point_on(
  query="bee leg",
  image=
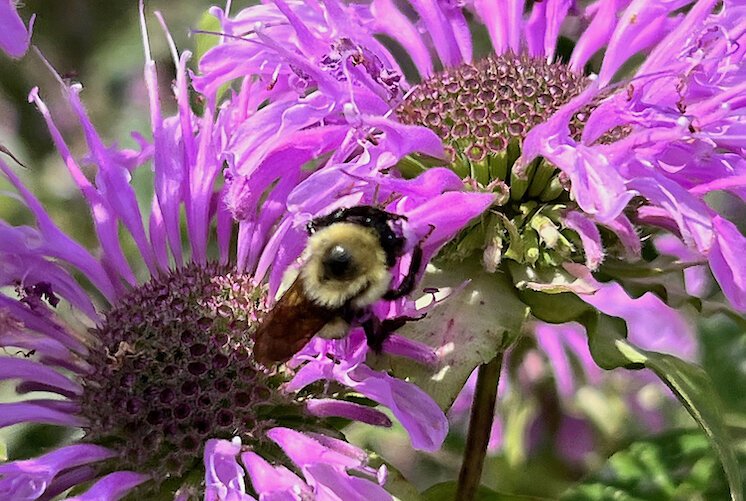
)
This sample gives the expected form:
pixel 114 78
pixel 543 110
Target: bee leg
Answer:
pixel 407 284
pixel 378 331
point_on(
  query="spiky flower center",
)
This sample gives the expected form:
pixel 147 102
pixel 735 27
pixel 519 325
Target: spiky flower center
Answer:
pixel 174 367
pixel 482 112
pixel 479 109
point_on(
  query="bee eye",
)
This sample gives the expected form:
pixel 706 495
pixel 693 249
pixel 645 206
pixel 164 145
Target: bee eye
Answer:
pixel 337 263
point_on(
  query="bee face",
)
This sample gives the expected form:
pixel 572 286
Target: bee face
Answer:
pixel 344 262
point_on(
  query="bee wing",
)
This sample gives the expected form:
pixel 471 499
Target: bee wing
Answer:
pixel 289 326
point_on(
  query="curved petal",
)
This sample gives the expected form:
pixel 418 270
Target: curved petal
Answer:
pixel 14 37
pixel 112 487
pixel 224 477
pixel 727 263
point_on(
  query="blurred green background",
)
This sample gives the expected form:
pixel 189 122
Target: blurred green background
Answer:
pixel 98 43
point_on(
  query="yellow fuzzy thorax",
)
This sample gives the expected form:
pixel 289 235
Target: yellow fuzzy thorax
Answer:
pixel 371 278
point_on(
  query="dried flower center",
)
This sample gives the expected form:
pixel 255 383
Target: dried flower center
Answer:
pixel 482 112
pixel 174 368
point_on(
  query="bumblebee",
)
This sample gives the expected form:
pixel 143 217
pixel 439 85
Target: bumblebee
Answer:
pixel 347 266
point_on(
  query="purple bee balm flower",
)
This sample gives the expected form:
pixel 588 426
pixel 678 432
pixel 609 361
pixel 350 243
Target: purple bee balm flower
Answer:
pixel 324 462
pixel 581 157
pixel 150 355
pixel 14 35
pixel 579 165
pixel 576 157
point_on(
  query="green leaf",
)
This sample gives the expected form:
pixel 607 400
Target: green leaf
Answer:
pixel 206 41
pixel 662 276
pixel 203 42
pixel 678 465
pixel 447 492
pixel 695 390
pixel 691 385
pixel 607 341
pixel 723 349
pixel 467 329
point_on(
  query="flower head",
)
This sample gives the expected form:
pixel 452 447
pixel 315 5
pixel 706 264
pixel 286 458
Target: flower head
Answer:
pixel 556 172
pixel 150 356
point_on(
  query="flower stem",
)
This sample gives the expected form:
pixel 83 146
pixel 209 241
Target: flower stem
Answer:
pixel 480 425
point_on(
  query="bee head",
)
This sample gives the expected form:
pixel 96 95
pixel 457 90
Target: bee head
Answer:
pixel 345 262
pixel 338 263
pixel 371 217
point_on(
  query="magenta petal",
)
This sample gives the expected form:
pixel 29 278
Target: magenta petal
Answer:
pixel 418 413
pixel 43 345
pixel 642 25
pixel 727 262
pixel 24 261
pixel 334 483
pixel 627 235
pixel 28 479
pixel 589 235
pixel 690 214
pixel 112 487
pixel 460 26
pixel 651 324
pixel 389 20
pixel 503 23
pixel 430 183
pixel 549 339
pixel 552 14
pixel 405 347
pixel 401 139
pixel 113 181
pixel 440 30
pixel 43 325
pixel 329 407
pixel 224 477
pixel 104 220
pixel 22 412
pixel 597 186
pixel 597 34
pixel 70 478
pixel 272 480
pixel 58 244
pixel 697 277
pixel 448 213
pixel 14 38
pixel 29 370
pixel 309 373
pixel 303 450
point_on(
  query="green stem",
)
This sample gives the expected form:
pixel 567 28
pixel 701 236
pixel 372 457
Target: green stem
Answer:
pixel 480 425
